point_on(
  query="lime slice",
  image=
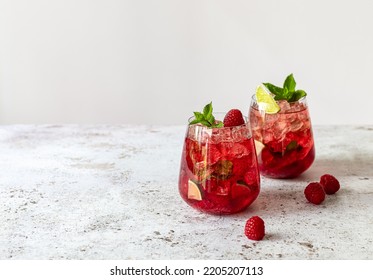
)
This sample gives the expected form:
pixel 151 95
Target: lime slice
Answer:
pixel 193 191
pixel 240 189
pixel 258 147
pixel 265 100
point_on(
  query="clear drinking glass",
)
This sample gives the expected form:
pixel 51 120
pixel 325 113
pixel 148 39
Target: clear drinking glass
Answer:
pixel 284 141
pixel 219 170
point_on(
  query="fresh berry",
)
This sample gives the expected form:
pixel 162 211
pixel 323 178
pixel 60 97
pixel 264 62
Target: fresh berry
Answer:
pixel 251 178
pixel 240 167
pixel 329 183
pixel 314 193
pixel 254 228
pixel 212 154
pixel 233 118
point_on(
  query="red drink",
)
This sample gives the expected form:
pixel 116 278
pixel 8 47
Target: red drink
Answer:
pixel 284 140
pixel 219 172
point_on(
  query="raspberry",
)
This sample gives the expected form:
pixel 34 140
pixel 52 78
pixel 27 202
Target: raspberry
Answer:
pixel 212 154
pixel 329 183
pixel 314 193
pixel 251 178
pixel 254 228
pixel 233 118
pixel 239 167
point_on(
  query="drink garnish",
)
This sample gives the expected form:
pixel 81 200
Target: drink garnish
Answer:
pixel 206 117
pixel 265 100
pixel 287 92
pixel 194 191
pixel 292 146
pixel 233 118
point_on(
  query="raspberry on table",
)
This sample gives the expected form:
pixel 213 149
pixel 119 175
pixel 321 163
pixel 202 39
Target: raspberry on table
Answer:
pixel 254 228
pixel 329 183
pixel 233 118
pixel 314 193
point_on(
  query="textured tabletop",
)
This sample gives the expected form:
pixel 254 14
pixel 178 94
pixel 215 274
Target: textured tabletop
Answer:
pixel 110 192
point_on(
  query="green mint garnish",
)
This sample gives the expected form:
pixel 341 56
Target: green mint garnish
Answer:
pixel 288 91
pixel 223 169
pixel 292 146
pixel 206 117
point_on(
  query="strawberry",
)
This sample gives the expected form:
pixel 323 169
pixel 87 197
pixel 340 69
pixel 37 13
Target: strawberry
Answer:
pixel 254 228
pixel 233 118
pixel 314 193
pixel 329 183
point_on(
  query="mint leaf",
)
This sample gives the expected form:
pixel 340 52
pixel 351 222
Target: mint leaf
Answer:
pixel 290 83
pixel 288 91
pixel 206 117
pixel 223 169
pixel 211 119
pixel 206 123
pixel 272 88
pixel 207 111
pixel 298 94
pixel 198 115
pixel 286 94
pixel 218 124
pixel 292 145
pixel 195 121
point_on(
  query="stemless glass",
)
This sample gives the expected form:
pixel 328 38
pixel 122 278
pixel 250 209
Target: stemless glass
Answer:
pixel 219 170
pixel 284 141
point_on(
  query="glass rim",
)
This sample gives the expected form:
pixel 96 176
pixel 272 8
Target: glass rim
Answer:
pixel 253 98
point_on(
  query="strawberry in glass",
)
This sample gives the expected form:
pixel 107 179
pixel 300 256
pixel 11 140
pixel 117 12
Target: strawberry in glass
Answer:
pixel 219 172
pixel 282 130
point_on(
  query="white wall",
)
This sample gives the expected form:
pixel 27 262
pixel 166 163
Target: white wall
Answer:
pixel 154 62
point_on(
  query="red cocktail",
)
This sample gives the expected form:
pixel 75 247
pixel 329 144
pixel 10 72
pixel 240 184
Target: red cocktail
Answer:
pixel 284 140
pixel 219 172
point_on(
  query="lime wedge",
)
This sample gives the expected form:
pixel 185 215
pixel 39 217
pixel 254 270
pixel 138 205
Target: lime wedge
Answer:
pixel 194 191
pixel 265 100
pixel 259 146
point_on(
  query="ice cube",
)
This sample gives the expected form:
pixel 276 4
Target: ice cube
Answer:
pixel 240 133
pixel 296 125
pixel 284 106
pixel 267 136
pixel 306 124
pixel 280 128
pixel 221 135
pixel 199 133
pixel 297 106
pixel 239 150
pixel 270 119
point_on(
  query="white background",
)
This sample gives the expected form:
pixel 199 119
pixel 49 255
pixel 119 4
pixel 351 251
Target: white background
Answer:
pixel 155 62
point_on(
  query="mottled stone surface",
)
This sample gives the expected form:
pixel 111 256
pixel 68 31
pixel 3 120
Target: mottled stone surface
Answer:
pixel 110 192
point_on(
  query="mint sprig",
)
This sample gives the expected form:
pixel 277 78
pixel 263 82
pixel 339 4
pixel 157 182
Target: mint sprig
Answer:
pixel 206 117
pixel 288 91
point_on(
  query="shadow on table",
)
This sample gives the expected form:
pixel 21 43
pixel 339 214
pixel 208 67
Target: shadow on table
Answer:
pixel 283 196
